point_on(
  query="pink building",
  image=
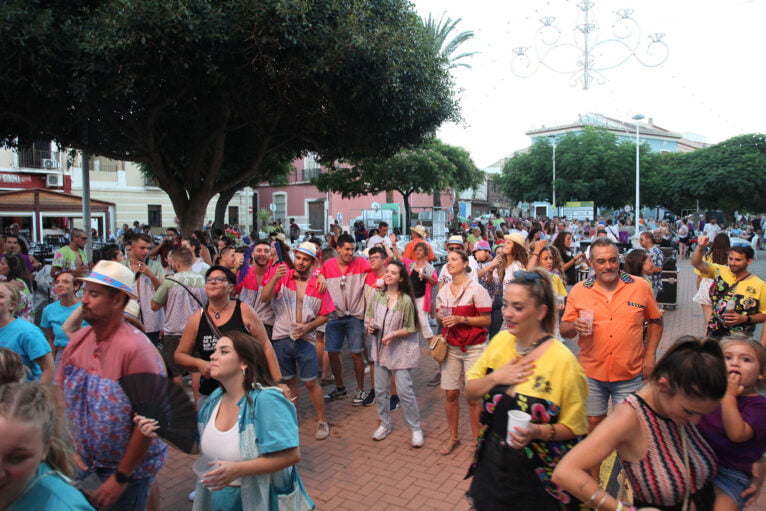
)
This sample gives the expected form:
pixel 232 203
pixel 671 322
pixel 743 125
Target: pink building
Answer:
pixel 310 207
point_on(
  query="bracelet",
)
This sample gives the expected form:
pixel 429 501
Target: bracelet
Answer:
pixel 536 255
pixel 553 432
pixel 595 494
pixel 619 506
pixel 601 502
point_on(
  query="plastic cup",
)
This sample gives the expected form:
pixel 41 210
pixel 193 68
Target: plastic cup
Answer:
pixel 587 316
pixel 516 419
pixel 293 334
pixel 731 305
pixel 202 466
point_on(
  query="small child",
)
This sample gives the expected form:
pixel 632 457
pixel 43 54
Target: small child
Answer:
pixel 737 429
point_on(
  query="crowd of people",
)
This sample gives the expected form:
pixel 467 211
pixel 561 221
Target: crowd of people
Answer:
pixel 554 349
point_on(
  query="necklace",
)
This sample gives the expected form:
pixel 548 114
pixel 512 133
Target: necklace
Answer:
pixel 217 314
pixel 529 349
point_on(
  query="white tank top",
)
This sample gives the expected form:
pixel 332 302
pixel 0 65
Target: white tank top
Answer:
pixel 220 445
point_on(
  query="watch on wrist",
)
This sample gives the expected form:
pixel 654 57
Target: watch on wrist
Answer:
pixel 748 320
pixel 121 477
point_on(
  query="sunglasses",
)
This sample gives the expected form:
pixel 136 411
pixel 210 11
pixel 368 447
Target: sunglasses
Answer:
pixel 213 280
pixel 450 249
pixel 525 275
pixel 740 244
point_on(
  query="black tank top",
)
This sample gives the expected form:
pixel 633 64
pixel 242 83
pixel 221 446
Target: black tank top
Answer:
pixel 206 341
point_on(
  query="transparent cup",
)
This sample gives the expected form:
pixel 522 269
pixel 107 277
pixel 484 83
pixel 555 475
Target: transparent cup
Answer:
pixel 587 316
pixel 202 466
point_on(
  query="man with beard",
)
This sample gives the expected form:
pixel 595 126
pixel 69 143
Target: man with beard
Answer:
pixel 72 256
pixel 738 297
pixel 299 308
pixel 99 412
pixel 149 275
pixel 251 286
pixel 612 350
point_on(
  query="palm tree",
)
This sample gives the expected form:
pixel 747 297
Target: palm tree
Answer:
pixel 440 32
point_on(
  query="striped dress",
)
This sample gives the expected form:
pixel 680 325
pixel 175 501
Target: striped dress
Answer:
pixel 660 479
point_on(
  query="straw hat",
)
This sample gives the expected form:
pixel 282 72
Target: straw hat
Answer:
pixel 455 240
pixel 419 230
pixel 515 237
pixel 307 248
pixel 112 274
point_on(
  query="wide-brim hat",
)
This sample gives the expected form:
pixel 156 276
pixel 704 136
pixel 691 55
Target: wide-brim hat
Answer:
pixel 420 230
pixel 307 248
pixel 482 245
pixel 455 240
pixel 515 237
pixel 112 274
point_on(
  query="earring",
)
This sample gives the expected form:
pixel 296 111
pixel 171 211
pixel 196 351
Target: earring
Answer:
pixel 243 371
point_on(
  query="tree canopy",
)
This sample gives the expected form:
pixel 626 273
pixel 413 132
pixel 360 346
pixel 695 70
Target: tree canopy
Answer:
pixel 426 168
pixel 590 166
pixel 439 36
pixel 189 88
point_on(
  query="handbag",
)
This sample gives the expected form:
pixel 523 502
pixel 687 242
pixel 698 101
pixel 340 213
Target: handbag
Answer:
pixel 438 347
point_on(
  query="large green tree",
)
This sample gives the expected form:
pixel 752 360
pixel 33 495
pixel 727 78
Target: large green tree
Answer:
pixel 423 169
pixel 591 165
pixel 190 88
pixel 729 176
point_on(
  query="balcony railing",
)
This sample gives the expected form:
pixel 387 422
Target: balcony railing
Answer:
pixel 103 165
pixel 309 174
pixel 38 158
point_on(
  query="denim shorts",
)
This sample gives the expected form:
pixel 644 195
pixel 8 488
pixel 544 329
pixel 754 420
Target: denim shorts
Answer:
pixel 597 403
pixel 296 357
pixel 732 483
pixel 345 328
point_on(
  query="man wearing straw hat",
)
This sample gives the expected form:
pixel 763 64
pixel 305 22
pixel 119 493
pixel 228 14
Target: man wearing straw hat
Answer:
pixel 100 414
pixel 300 306
pixel 418 236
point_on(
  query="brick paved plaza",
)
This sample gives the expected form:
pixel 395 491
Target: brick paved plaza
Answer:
pixel 350 471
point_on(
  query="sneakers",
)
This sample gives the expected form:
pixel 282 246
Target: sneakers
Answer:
pixel 192 495
pixel 381 433
pixel 417 438
pixel 323 431
pixel 370 399
pixel 336 394
pixel 359 398
pixel 394 403
pixel 436 380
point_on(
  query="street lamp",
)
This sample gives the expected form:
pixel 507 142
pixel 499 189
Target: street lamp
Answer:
pixel 637 118
pixel 553 141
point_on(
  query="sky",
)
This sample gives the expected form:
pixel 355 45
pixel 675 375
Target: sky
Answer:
pixel 711 84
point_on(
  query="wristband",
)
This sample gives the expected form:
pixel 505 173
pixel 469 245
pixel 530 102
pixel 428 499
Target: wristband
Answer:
pixel 749 320
pixel 121 478
pixel 592 497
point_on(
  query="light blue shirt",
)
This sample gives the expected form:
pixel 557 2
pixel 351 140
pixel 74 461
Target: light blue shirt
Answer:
pixel 28 341
pixel 54 316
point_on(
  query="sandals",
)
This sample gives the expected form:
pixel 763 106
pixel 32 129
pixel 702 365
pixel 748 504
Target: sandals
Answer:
pixel 449 446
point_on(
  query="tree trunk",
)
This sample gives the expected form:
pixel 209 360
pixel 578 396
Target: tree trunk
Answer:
pixel 220 207
pixel 406 219
pixel 437 199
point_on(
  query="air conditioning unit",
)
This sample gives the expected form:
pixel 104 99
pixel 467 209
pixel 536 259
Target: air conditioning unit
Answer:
pixel 54 181
pixel 49 163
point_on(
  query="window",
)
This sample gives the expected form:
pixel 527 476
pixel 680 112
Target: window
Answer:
pixel 155 215
pixel 233 215
pixel 280 210
pixel 311 168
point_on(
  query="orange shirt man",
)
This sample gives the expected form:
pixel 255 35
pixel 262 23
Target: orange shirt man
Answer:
pixel 613 355
pixel 418 235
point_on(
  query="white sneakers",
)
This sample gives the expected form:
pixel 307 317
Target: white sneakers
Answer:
pixel 323 431
pixel 381 433
pixel 417 438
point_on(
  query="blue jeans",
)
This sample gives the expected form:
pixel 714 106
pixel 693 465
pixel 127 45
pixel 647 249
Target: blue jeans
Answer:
pixel 296 357
pixel 136 494
pixel 345 328
pixel 597 402
pixel 732 482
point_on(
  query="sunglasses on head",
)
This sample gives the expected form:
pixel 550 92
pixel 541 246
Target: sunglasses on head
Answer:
pixel 526 275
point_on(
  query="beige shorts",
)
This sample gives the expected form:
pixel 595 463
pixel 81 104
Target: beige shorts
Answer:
pixel 457 364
